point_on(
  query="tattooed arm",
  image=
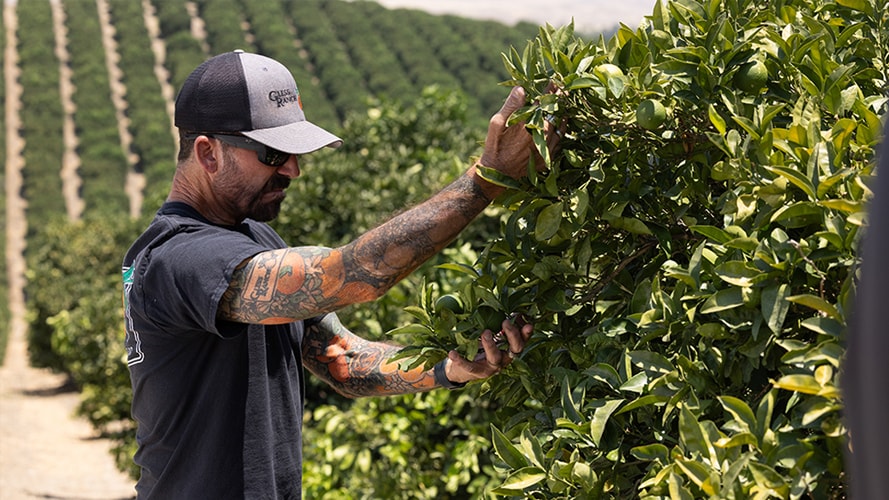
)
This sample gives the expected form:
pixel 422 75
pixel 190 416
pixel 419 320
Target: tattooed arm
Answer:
pixel 284 285
pixel 356 367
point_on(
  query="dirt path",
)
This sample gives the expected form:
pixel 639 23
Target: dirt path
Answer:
pixel 44 451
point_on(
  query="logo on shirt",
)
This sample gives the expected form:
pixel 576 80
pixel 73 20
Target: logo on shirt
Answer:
pixel 133 343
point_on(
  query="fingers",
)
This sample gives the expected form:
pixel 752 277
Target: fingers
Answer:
pixel 492 358
pixel 514 334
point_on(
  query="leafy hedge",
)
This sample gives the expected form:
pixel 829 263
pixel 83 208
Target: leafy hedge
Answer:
pixel 103 166
pixel 690 273
pixel 4 275
pixel 150 126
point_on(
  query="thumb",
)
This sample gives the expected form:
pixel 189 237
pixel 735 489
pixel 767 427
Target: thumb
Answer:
pixel 514 101
pixel 459 369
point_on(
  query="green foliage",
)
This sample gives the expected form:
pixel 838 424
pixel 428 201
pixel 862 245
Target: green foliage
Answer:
pixel 4 276
pixel 103 166
pixel 430 445
pixel 690 284
pixel 76 319
pixel 41 114
pixel 153 145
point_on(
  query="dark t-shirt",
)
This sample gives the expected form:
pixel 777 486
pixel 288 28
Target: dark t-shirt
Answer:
pixel 218 404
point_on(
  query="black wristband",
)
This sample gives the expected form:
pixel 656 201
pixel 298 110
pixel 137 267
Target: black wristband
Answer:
pixel 438 373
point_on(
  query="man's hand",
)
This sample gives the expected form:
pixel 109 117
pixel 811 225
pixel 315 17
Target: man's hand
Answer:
pixel 508 148
pixel 491 359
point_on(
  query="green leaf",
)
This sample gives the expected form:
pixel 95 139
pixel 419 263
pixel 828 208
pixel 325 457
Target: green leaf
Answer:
pixel 581 83
pixel 774 305
pixel 817 303
pixel 691 435
pixel 570 405
pixel 524 478
pixel 824 326
pixel 716 119
pixel 636 383
pixel 496 177
pixel 548 221
pixel 629 224
pixel 651 452
pixel 698 473
pixel 747 125
pixel 741 439
pixel 419 313
pixel 764 417
pixel 600 418
pixel 768 479
pixel 648 399
pixel 818 408
pixel 722 300
pixel 651 361
pixel 796 178
pixel 859 5
pixel 740 411
pixel 713 233
pixel 531 448
pixel 462 268
pixel 506 450
pixel 412 329
pixel 847 206
pixel 803 383
pixel 799 214
pixel 739 273
pixel 712 330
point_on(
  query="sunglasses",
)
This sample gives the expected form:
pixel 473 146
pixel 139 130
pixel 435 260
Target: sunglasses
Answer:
pixel 268 156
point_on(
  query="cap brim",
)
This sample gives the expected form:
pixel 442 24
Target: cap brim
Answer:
pixel 297 138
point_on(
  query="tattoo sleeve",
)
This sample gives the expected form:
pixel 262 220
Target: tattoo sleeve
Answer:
pixel 284 285
pixel 356 367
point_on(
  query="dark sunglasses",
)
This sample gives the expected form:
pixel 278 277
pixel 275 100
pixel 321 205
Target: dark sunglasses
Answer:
pixel 268 156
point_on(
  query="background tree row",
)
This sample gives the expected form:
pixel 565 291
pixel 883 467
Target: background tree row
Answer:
pixel 4 275
pixel 41 118
pixel 103 166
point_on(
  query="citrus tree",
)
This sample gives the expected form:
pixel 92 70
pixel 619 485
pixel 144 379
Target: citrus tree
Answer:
pixel 689 256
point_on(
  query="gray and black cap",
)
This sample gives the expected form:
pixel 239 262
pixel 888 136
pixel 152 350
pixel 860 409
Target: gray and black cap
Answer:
pixel 253 95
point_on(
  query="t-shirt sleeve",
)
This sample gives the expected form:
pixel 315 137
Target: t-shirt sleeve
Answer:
pixel 182 280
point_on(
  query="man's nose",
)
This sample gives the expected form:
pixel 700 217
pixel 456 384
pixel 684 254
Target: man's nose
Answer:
pixel 290 168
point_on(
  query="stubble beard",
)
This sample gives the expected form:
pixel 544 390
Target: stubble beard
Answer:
pixel 257 206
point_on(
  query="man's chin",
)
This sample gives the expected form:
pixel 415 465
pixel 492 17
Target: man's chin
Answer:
pixel 267 211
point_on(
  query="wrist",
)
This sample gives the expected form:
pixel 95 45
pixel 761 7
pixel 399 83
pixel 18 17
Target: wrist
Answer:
pixel 488 189
pixel 441 377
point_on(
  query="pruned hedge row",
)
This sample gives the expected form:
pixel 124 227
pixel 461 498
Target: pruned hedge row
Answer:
pixel 41 115
pixel 4 218
pixel 153 143
pixel 103 165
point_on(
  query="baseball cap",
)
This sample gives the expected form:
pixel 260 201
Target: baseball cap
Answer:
pixel 253 95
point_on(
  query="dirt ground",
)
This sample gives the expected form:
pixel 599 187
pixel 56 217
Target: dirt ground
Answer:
pixel 45 452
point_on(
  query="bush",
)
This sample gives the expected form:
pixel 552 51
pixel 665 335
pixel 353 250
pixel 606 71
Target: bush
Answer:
pixel 690 283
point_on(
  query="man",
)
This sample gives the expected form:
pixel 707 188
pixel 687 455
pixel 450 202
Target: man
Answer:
pixel 222 315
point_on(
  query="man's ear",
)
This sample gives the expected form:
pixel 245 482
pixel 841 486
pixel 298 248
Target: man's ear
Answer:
pixel 207 153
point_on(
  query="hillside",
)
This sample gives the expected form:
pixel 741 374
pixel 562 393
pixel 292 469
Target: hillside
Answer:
pixel 88 91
